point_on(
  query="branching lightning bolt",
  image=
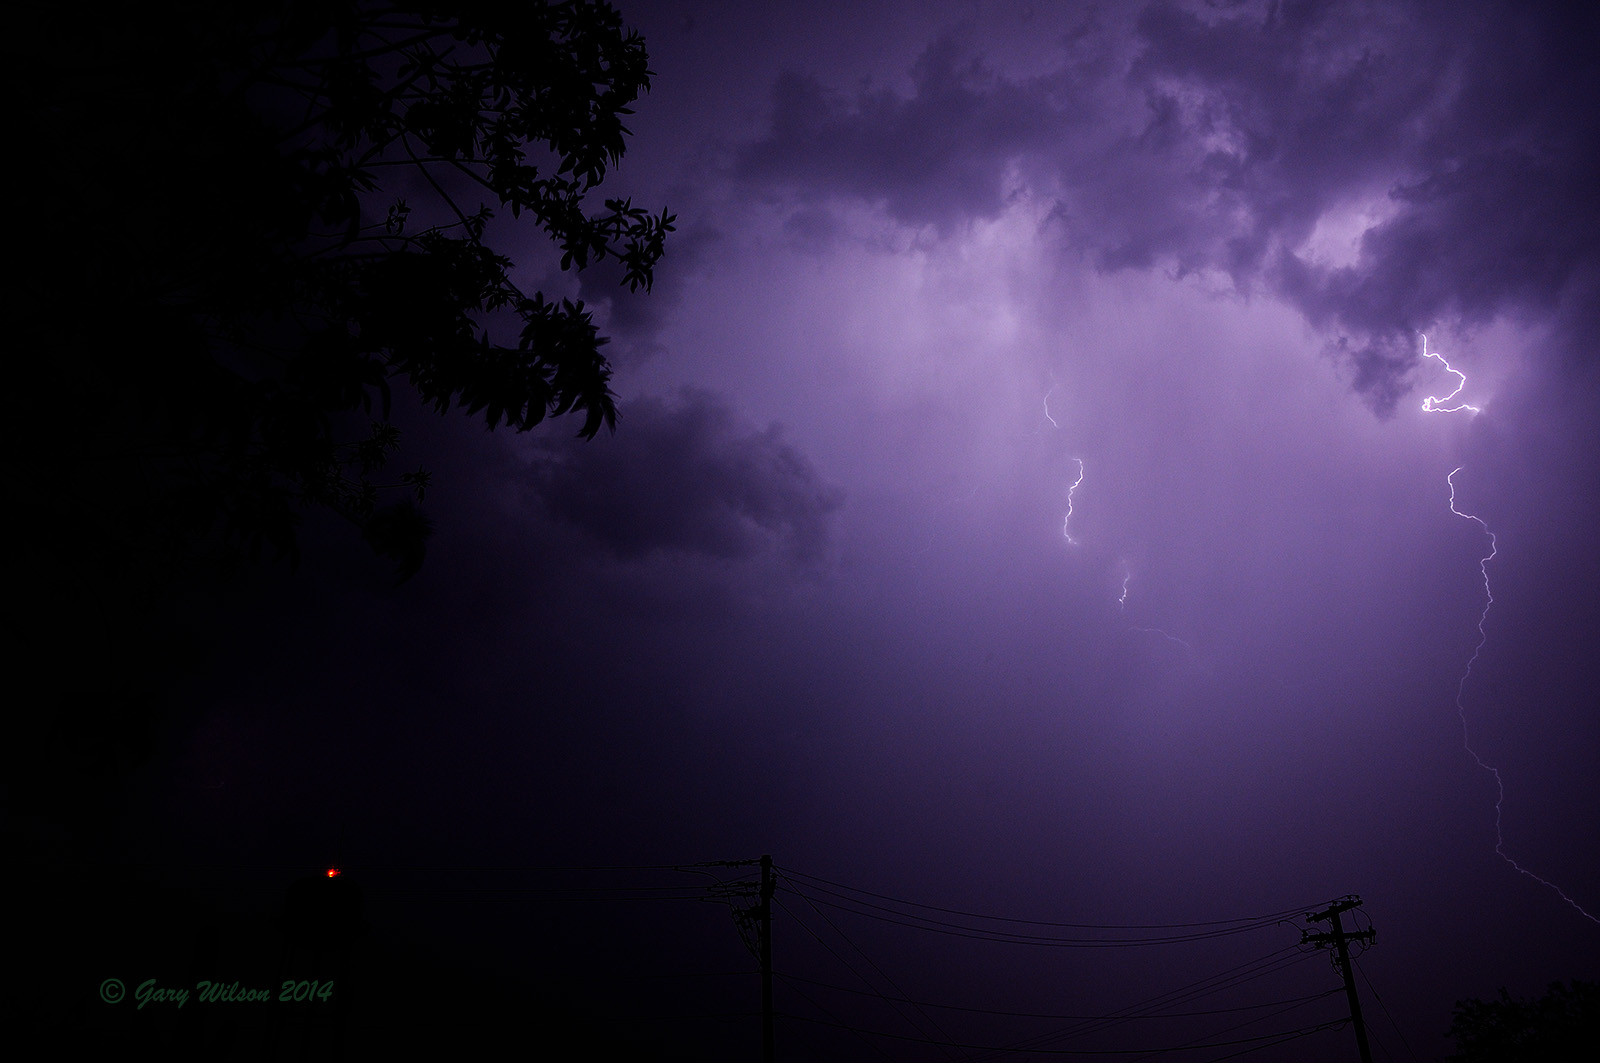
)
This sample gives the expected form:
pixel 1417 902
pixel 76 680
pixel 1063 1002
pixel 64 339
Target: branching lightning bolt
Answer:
pixel 1432 405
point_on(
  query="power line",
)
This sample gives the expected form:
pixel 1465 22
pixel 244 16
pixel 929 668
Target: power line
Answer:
pixel 1250 1022
pixel 1248 971
pixel 1258 920
pixel 1384 1008
pixel 864 979
pixel 1273 1044
pixel 1229 978
pixel 869 910
pixel 1004 1013
pixel 860 1034
pixel 729 882
pixel 1280 1034
pixel 928 1018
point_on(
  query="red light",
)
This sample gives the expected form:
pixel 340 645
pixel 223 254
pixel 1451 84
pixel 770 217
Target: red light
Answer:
pixel 333 872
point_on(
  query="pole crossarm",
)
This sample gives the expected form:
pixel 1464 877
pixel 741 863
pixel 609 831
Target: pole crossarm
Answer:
pixel 1340 940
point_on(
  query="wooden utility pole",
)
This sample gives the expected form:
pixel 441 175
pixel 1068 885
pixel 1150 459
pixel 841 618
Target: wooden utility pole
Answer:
pixel 769 884
pixel 1339 940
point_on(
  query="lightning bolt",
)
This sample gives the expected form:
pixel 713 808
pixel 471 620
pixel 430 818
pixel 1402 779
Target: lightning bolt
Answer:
pixel 1066 522
pixel 1122 603
pixel 1066 533
pixel 1432 405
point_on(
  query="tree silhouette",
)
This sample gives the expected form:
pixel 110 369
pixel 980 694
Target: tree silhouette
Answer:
pixel 239 228
pixel 1561 1026
pixel 257 220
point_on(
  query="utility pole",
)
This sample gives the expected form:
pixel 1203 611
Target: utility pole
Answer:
pixel 769 884
pixel 1339 940
pixel 756 915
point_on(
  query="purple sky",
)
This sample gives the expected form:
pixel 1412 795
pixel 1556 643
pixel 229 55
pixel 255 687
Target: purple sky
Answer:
pixel 819 596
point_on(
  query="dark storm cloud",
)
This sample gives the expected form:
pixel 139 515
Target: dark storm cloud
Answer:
pixel 1192 142
pixel 1476 123
pixel 935 158
pixel 687 477
pixel 1252 131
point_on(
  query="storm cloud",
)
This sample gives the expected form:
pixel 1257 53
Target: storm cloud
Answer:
pixel 687 477
pixel 1386 168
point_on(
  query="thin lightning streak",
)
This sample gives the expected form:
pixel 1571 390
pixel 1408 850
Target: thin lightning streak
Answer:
pixel 1431 405
pixel 1066 522
pixel 1122 603
pixel 1169 638
pixel 1461 711
pixel 1066 533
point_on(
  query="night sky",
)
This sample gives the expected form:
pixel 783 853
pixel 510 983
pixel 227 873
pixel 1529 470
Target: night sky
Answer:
pixel 1022 505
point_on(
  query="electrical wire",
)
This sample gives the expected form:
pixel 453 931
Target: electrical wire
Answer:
pixel 1271 917
pixel 872 910
pixel 819 893
pixel 1273 1044
pixel 864 979
pixel 1276 1037
pixel 861 1035
pixel 1058 1016
pixel 1385 1008
pixel 979 934
pixel 1252 1022
pixel 882 973
pixel 1248 971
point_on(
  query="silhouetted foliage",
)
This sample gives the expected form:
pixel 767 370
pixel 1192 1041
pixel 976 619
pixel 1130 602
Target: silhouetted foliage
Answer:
pixel 238 229
pixel 258 217
pixel 1561 1026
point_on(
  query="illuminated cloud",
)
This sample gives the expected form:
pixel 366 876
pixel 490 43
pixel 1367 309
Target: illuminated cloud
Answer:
pixel 1383 167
